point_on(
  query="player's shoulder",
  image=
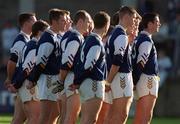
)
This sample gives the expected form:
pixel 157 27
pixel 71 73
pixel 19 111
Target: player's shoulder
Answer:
pixel 66 35
pixel 119 30
pixel 19 37
pixel 46 37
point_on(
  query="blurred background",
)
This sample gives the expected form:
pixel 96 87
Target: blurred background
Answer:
pixel 167 41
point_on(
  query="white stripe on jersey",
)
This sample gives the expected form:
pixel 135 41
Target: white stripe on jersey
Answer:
pixel 92 56
pixel 29 60
pixel 70 52
pixel 120 45
pixel 144 52
pixel 44 52
pixel 63 43
pixel 18 50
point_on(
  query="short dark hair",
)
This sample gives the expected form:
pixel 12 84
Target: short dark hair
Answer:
pixel 80 14
pixel 126 10
pixel 138 16
pixel 24 17
pixel 54 14
pixel 146 18
pixel 39 25
pixel 115 19
pixel 101 19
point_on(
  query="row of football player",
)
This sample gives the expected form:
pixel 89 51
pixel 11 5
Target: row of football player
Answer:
pixel 64 61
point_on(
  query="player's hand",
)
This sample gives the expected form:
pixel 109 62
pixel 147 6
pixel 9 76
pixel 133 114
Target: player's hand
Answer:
pixel 58 86
pixel 73 87
pixel 107 86
pixel 29 84
pixel 11 88
pixel 7 82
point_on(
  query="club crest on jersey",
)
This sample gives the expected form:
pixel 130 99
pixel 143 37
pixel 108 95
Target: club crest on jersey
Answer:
pixel 150 82
pixel 122 82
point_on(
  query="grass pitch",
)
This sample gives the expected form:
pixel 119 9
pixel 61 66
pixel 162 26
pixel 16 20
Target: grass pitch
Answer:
pixel 6 119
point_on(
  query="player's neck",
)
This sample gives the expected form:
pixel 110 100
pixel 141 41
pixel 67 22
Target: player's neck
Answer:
pixel 26 30
pixel 79 29
pixel 149 31
pixel 54 29
pixel 123 25
pixel 100 32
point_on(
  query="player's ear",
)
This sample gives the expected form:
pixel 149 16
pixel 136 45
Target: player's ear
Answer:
pixel 150 24
pixel 80 21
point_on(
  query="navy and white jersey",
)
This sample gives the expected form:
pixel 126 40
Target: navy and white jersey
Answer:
pixel 70 50
pixel 144 52
pixel 29 55
pixel 28 62
pixel 18 45
pixel 16 51
pixel 47 56
pixel 92 60
pixel 63 43
pixel 118 50
pixel 48 52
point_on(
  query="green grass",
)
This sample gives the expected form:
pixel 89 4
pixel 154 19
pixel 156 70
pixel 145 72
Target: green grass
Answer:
pixel 6 119
pixel 161 121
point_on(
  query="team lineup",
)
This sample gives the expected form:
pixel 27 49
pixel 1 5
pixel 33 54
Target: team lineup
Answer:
pixel 87 68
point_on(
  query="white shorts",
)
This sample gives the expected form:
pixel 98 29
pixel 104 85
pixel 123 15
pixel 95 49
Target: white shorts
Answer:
pixel 108 97
pixel 146 85
pixel 122 85
pixel 68 81
pixel 45 87
pixel 92 89
pixel 26 94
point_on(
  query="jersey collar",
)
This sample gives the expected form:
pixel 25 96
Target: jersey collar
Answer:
pixel 27 37
pixel 34 39
pixel 120 26
pixel 75 30
pixel 147 33
pixel 96 35
pixel 51 32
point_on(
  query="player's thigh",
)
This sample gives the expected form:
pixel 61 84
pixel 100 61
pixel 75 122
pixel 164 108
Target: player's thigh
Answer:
pixel 107 102
pixel 54 110
pixel 46 107
pixel 91 108
pixel 103 114
pixel 145 105
pixel 73 104
pixel 19 110
pixel 122 105
pixel 32 108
